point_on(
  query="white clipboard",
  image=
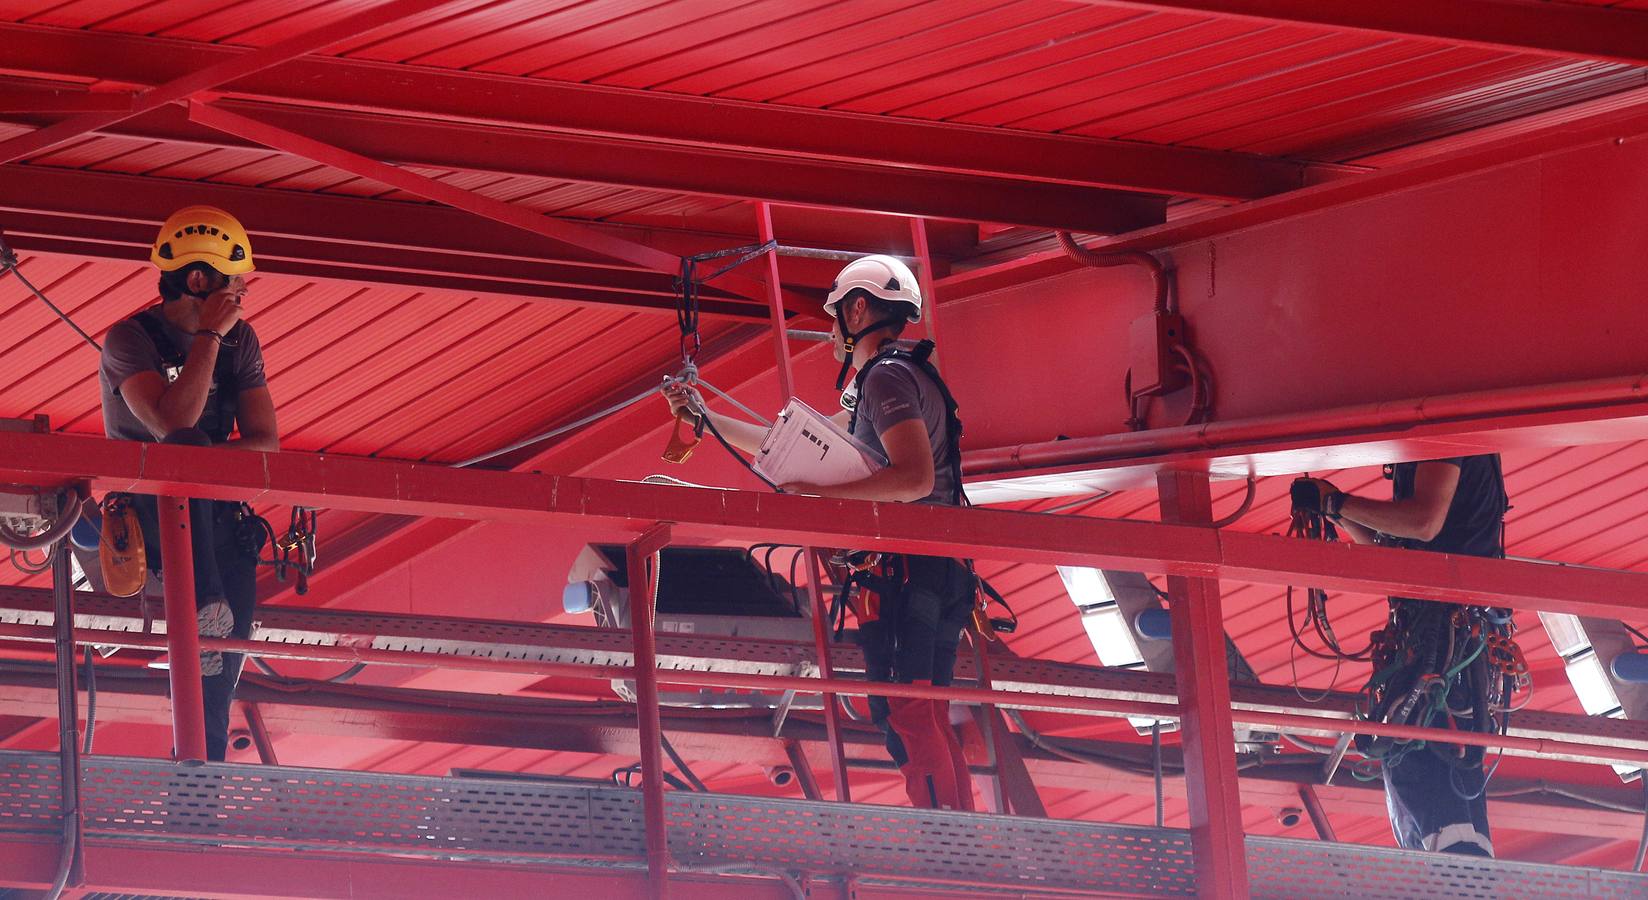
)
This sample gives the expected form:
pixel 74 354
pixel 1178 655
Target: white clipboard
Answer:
pixel 804 445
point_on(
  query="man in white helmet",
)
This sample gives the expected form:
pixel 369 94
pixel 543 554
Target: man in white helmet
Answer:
pixel 910 609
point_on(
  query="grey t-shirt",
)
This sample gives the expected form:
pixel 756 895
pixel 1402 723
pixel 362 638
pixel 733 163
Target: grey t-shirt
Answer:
pixel 897 391
pixel 127 350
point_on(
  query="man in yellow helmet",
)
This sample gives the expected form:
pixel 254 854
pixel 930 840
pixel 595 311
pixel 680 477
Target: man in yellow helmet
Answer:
pixel 190 371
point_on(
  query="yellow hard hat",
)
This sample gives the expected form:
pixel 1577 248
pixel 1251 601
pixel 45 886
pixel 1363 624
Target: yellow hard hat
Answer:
pixel 203 234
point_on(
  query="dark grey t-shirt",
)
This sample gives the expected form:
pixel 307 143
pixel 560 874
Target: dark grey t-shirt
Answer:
pixel 127 350
pixel 897 391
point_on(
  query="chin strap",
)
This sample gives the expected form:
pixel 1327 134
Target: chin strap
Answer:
pixel 849 343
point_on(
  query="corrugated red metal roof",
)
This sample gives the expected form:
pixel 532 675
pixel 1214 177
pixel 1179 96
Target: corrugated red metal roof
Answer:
pixel 433 375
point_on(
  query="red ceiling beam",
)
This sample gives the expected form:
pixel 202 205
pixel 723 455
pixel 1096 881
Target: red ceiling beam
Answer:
pixel 138 697
pixel 115 216
pixel 27 100
pixel 704 171
pixel 1562 29
pixel 187 85
pixel 730 360
pixel 237 873
pixel 594 110
pixel 516 216
pixel 1554 134
pixel 595 506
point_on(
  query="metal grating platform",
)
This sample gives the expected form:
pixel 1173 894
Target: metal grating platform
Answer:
pixel 504 821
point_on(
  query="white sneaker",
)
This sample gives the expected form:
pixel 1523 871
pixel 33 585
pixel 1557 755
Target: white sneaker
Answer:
pixel 215 620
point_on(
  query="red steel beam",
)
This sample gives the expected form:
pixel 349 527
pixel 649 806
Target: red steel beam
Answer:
pixel 601 111
pixel 815 571
pixel 1110 706
pixel 183 641
pixel 1199 658
pixel 729 361
pixel 1609 123
pixel 208 77
pixel 26 100
pixel 239 873
pixel 703 171
pixel 1565 30
pixel 374 485
pixel 641 558
pixel 520 217
pixel 111 216
pixel 520 722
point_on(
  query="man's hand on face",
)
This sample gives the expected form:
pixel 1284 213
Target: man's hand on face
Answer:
pixel 222 309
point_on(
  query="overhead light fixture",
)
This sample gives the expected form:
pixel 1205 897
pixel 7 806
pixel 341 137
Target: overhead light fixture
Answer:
pixel 1591 680
pixel 1107 627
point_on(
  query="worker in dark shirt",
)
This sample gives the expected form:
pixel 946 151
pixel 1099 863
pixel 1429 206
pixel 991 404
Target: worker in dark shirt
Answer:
pixel 189 370
pixel 911 610
pixel 1435 664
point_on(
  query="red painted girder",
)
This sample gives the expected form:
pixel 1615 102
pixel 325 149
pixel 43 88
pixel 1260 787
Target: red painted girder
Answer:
pixel 522 722
pixel 517 216
pixel 1298 723
pixel 728 362
pixel 741 126
pixel 1608 124
pixel 187 85
pixel 1568 30
pixel 29 100
pixel 1604 411
pixel 595 505
pixel 230 873
pixel 1202 675
pixel 684 169
pixel 110 216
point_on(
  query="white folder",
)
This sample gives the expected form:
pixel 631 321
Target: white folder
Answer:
pixel 804 445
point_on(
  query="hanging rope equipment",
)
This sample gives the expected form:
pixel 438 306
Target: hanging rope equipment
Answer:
pixel 680 447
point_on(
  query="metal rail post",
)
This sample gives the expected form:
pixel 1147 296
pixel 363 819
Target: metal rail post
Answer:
pixel 73 871
pixel 1204 701
pixel 821 609
pixel 182 630
pixel 924 277
pixel 641 560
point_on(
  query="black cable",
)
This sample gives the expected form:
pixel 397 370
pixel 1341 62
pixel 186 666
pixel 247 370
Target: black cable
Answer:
pixel 630 771
pixel 710 425
pixel 681 764
pixel 1639 636
pixel 8 263
pixel 91 702
pixel 343 677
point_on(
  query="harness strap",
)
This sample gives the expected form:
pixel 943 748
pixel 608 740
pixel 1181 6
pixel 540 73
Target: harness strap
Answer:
pixel 920 357
pixel 225 399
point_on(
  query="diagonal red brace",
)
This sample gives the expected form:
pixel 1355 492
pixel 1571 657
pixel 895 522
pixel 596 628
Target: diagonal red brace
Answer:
pixel 518 216
pixel 218 74
pixel 642 557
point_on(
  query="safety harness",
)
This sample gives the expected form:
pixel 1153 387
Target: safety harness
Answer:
pixel 874 576
pixel 218 418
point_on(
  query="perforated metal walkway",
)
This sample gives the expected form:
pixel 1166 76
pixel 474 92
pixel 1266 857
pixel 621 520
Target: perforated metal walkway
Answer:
pixel 490 820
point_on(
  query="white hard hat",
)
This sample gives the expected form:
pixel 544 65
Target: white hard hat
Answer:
pixel 881 276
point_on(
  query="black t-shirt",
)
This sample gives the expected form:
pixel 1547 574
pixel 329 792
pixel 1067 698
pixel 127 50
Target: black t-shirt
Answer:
pixel 1475 523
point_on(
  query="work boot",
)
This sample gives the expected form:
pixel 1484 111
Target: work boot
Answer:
pixel 930 775
pixel 958 759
